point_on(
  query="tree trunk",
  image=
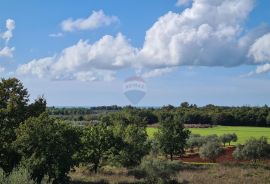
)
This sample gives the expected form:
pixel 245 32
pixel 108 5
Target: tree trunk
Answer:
pixel 95 167
pixel 171 156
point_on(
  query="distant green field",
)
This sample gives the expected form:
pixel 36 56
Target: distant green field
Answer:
pixel 243 133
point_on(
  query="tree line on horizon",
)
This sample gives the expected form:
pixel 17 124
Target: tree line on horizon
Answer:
pixel 187 113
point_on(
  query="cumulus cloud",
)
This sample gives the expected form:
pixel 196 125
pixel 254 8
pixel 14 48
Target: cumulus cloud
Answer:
pixel 7 51
pixel 208 33
pixel 84 61
pixel 10 26
pixel 260 50
pixel 95 20
pixel 6 36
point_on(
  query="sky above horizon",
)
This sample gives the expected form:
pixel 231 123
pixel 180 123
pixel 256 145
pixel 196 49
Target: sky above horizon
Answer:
pixel 80 53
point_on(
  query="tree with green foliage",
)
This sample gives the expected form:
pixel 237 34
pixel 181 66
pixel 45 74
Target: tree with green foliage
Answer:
pixel 47 148
pixel 195 141
pixel 253 149
pixel 171 135
pixel 97 141
pixel 132 144
pixel 14 109
pixel 211 150
pixel 228 138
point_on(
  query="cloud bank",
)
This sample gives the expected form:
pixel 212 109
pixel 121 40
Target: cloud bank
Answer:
pixel 208 33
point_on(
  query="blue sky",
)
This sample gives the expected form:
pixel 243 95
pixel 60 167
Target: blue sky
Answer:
pixel 79 53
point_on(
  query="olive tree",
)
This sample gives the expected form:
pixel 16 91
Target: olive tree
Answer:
pixel 253 149
pixel 228 138
pixel 211 150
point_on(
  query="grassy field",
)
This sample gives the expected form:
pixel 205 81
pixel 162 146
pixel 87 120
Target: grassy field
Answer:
pixel 243 133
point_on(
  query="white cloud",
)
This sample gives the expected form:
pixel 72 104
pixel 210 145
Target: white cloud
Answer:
pixel 260 50
pixel 84 61
pixel 263 68
pixel 6 36
pixel 7 52
pixel 209 33
pixel 56 35
pixel 206 34
pixel 10 26
pixel 95 20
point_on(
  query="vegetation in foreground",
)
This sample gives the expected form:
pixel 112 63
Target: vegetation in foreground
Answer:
pixel 37 148
pixel 188 174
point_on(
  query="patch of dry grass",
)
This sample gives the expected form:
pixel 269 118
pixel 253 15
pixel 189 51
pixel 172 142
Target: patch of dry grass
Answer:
pixel 208 174
pixel 221 174
pixel 106 175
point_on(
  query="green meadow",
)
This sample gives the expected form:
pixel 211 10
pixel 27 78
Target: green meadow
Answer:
pixel 243 133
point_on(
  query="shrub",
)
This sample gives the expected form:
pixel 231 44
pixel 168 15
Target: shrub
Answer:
pixel 195 141
pixel 155 171
pixel 253 149
pixel 211 150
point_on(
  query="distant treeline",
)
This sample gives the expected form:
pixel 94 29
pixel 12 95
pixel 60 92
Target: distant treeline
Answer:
pixel 186 113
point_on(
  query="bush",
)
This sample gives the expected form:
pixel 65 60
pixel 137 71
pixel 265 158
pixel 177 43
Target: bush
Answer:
pixel 228 138
pixel 195 141
pixel 253 149
pixel 17 176
pixel 211 150
pixel 155 171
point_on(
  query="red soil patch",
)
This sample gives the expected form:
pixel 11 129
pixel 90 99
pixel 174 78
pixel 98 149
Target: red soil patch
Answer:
pixel 224 158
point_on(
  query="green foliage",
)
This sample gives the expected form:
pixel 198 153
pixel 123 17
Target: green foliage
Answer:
pixel 14 109
pixel 253 149
pixel 228 138
pixel 211 150
pixel 172 135
pixel 47 147
pixel 156 171
pixel 97 141
pixel 17 176
pixel 132 144
pixel 195 141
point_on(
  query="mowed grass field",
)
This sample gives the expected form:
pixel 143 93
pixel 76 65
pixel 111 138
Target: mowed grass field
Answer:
pixel 243 133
